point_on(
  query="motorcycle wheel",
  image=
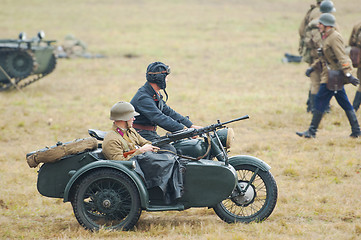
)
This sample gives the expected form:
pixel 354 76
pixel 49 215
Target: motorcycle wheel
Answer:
pixel 256 204
pixel 107 199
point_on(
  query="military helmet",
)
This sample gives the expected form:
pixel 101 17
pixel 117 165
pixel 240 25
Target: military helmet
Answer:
pixel 122 111
pixel 327 19
pixel 327 7
pixel 156 73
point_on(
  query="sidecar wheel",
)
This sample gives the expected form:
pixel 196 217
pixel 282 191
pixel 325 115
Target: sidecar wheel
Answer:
pixel 256 204
pixel 107 199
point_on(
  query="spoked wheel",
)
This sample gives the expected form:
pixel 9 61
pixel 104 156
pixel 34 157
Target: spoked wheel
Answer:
pixel 107 199
pixel 253 199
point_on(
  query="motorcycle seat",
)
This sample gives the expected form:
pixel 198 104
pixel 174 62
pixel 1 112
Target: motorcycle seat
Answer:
pixel 98 134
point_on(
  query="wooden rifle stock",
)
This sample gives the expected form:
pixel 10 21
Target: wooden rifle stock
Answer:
pixel 126 154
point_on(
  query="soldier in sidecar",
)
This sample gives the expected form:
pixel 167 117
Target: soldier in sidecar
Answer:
pixel 160 171
pixel 111 194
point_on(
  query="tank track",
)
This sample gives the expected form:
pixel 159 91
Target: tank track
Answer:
pixel 21 82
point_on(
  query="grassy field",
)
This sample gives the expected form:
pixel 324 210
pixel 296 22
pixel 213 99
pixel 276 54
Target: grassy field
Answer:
pixel 226 62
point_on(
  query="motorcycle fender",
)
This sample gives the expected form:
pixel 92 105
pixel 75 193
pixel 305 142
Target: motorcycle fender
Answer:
pixel 250 160
pixel 118 165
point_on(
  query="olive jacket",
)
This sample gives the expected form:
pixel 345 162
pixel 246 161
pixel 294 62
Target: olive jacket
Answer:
pixel 114 145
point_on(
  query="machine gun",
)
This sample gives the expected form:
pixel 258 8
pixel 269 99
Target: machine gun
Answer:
pixel 191 132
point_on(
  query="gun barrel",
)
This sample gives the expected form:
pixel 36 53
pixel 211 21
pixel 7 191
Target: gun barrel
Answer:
pixel 218 125
pixel 237 119
pixel 190 132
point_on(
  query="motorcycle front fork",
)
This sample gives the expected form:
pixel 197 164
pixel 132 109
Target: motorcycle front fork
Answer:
pixel 241 190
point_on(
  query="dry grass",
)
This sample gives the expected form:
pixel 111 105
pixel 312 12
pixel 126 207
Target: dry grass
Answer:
pixel 226 62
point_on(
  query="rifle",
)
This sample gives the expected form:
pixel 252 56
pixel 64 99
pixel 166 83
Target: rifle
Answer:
pixel 191 132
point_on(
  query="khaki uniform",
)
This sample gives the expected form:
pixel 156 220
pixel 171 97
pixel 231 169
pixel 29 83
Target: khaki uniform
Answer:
pixel 335 56
pixel 312 13
pixel 307 31
pixel 114 145
pixel 355 41
pixel 312 42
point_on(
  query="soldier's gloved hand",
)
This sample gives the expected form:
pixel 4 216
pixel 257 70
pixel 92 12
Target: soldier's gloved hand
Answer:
pixel 354 81
pixel 309 71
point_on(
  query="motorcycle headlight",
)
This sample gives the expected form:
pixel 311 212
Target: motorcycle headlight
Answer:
pixel 226 135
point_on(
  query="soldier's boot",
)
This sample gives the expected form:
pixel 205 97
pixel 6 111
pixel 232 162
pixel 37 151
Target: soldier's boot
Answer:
pixel 355 127
pixel 357 101
pixel 308 103
pixel 312 102
pixel 311 132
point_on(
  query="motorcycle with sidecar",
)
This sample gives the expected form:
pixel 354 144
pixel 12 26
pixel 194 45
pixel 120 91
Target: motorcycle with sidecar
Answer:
pixel 110 194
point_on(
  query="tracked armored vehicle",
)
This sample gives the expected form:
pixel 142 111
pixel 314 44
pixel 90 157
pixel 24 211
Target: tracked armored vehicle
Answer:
pixel 24 61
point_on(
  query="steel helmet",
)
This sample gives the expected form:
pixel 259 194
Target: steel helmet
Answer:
pixel 327 19
pixel 327 7
pixel 122 111
pixel 156 73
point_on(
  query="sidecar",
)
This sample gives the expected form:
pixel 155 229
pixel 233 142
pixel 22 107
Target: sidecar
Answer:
pixel 110 194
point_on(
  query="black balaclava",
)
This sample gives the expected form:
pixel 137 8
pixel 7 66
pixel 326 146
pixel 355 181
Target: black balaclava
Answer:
pixel 156 73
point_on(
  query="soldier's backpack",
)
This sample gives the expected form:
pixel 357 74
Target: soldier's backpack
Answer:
pixel 304 25
pixel 312 41
pixel 60 150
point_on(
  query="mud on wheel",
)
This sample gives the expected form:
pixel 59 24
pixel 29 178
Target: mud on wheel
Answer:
pixel 106 199
pixel 254 199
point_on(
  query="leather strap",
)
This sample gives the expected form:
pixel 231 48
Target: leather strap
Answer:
pixel 143 127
